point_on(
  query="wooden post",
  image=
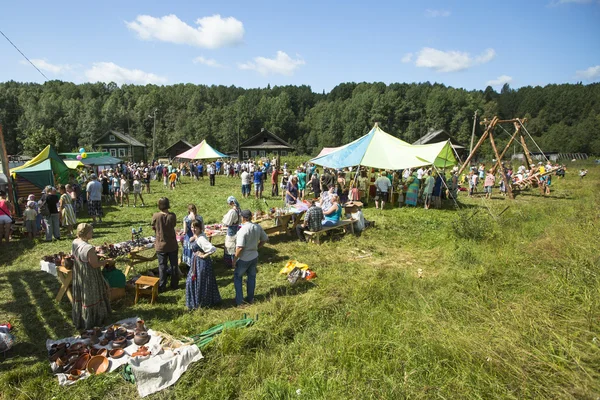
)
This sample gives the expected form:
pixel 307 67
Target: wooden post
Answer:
pixel 479 142
pixel 499 161
pixel 528 159
pixel 504 179
pixel 5 168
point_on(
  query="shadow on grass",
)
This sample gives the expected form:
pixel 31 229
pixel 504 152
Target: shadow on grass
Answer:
pixel 16 248
pixel 40 315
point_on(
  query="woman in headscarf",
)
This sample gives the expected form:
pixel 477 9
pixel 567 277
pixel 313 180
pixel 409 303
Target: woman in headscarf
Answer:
pixel 412 193
pixel 91 299
pixel 67 213
pixel 201 289
pixel 232 220
pixel 188 232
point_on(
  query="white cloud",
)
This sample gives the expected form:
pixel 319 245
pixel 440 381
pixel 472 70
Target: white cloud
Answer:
pixel 451 61
pixel 282 64
pixel 499 81
pixel 46 66
pixel 212 32
pixel 589 74
pixel 209 62
pixel 407 58
pixel 111 72
pixel 436 13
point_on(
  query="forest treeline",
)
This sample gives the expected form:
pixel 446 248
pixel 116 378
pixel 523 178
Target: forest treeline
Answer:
pixel 563 118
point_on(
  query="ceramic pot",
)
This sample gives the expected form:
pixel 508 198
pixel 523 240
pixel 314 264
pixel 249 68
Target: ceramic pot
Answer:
pixel 121 332
pixel 130 335
pixel 119 343
pixel 98 331
pixel 94 339
pixel 109 334
pixel 104 342
pixel 141 338
pixel 75 374
pixel 140 327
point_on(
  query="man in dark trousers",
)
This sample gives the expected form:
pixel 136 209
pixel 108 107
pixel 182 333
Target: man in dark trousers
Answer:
pixel 163 223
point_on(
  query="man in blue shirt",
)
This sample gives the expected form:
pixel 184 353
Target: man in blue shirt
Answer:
pixel 201 170
pixel 218 165
pixel 258 183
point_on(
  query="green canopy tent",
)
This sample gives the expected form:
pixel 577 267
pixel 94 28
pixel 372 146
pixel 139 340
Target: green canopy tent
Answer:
pixel 47 168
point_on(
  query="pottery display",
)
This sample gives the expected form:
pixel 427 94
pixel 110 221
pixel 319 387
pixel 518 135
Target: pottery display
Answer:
pixel 141 338
pixel 97 365
pixel 76 346
pixel 117 353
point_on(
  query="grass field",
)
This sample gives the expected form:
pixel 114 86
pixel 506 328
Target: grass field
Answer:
pixel 508 307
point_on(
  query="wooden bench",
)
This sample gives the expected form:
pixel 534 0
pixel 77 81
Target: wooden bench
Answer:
pixel 316 236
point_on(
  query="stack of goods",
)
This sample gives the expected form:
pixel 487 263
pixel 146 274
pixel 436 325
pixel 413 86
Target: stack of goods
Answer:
pixel 215 230
pixel 124 248
pixel 296 271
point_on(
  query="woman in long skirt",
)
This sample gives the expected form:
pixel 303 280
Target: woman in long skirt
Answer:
pixel 188 232
pixel 91 299
pixel 232 220
pixel 67 212
pixel 412 193
pixel 201 288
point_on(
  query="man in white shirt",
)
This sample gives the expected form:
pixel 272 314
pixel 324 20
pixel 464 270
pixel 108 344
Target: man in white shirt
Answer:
pixel 249 239
pixel 420 173
pixel 245 183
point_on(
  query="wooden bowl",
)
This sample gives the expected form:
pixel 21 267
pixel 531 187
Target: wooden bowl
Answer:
pixel 119 343
pixel 81 362
pixel 99 352
pixel 75 374
pixel 117 353
pixel 98 365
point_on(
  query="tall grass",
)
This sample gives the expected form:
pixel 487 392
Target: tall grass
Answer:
pixel 507 307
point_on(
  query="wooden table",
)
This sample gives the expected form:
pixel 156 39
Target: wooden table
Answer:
pixel 135 258
pixel 141 287
pixel 65 276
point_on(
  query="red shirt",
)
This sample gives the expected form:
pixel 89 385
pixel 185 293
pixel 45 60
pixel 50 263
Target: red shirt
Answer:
pixel 274 176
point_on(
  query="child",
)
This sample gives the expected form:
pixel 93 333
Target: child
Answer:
pixel 582 173
pixel 30 215
pixel 124 190
pixel 488 184
pixel 173 179
pixel 137 191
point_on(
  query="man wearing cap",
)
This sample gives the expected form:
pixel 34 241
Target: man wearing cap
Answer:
pixel 249 239
pixel 94 198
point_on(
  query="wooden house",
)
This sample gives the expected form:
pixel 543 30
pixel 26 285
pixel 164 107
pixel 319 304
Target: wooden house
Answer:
pixel 264 143
pixel 123 146
pixel 176 148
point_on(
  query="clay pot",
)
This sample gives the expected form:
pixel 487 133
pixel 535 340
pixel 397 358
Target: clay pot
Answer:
pixel 94 339
pixel 130 335
pixel 121 332
pixel 104 342
pixel 98 331
pixel 75 374
pixel 119 343
pixel 75 347
pixel 98 365
pixel 109 334
pixel 117 353
pixel 140 327
pixel 141 338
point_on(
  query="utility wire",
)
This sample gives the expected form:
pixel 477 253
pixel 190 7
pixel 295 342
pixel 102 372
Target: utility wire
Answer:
pixel 30 62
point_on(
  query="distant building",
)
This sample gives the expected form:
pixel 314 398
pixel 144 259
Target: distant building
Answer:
pixel 176 148
pixel 265 143
pixel 122 146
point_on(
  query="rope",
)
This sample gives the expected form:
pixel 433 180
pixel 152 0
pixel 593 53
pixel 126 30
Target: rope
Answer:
pixel 533 140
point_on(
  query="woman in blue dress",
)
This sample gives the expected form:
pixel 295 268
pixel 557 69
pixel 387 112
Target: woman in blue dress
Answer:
pixel 188 233
pixel 201 288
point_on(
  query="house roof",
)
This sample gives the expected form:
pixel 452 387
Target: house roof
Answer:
pixel 180 141
pixel 430 136
pixel 124 137
pixel 263 131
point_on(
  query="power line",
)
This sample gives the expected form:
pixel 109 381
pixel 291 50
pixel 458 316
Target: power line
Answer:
pixel 30 62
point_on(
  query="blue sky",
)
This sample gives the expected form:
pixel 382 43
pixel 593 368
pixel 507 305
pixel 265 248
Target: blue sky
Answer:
pixel 318 43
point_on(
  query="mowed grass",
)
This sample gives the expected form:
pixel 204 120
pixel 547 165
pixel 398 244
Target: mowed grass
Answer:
pixel 507 307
